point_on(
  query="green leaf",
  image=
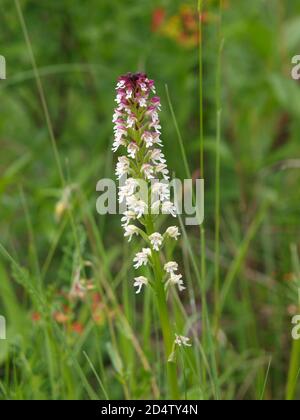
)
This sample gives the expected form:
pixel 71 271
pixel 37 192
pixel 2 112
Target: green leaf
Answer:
pixel 115 358
pixel 291 33
pixel 286 93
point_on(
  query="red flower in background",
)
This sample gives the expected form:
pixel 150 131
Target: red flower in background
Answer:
pixel 158 18
pixel 77 327
pixel 36 317
pixel 68 307
pixel 182 27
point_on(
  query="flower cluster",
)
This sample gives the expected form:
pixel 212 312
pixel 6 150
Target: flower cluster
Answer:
pixel 137 131
pixel 180 341
pixel 181 27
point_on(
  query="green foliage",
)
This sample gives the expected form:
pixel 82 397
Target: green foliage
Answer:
pixel 109 344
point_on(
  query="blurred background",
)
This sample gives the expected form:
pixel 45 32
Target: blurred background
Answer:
pixel 80 49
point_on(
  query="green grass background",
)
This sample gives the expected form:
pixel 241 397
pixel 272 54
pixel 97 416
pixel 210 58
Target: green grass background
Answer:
pixel 80 49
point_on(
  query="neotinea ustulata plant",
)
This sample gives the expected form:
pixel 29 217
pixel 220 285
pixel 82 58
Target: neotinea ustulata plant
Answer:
pixel 137 133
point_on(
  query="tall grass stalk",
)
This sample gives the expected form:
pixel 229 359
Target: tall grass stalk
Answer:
pixel 200 57
pixel 206 339
pixel 40 90
pixel 163 311
pixel 217 262
pixel 294 367
pixel 201 139
pixel 45 109
pixel 242 253
pixel 48 331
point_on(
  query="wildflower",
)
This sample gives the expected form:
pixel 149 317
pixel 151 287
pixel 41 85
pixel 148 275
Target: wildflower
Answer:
pixel 139 207
pixel 132 150
pixel 97 309
pixel 171 267
pixel 64 203
pixel 130 230
pixel 176 279
pixel 169 208
pixel 158 18
pixel 60 209
pixel 148 171
pixel 131 121
pixel 123 167
pixel 120 132
pixel 36 316
pixel 173 232
pixel 128 217
pixel 139 282
pixel 78 291
pixel 80 287
pixel 128 189
pixel 156 240
pixel 77 328
pixel 156 156
pixel 161 190
pixel 61 317
pixel 142 258
pixel 149 138
pixel 180 340
pixel 181 27
pixel 117 115
pixel 162 169
pixel 137 128
pixel 156 104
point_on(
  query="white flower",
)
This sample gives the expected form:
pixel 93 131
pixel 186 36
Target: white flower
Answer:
pixel 173 232
pixel 157 128
pixel 118 98
pixel 120 84
pixel 162 169
pixel 132 150
pixel 143 87
pixel 169 208
pixel 147 169
pixel 156 156
pixel 117 143
pixel 154 116
pixel 120 129
pixel 139 282
pixel 171 267
pixel 156 240
pixel 131 120
pixel 142 258
pixel 117 115
pixel 155 123
pixel 148 138
pixel 129 93
pixel 143 102
pixel 156 135
pixel 130 230
pixel 139 207
pixel 180 340
pixel 123 166
pixel 128 189
pixel 120 132
pixel 161 190
pixel 127 217
pixel 176 279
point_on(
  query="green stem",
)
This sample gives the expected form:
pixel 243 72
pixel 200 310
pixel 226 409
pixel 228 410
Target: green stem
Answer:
pixel 202 229
pixel 294 370
pixel 162 307
pixel 218 177
pixel 200 10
